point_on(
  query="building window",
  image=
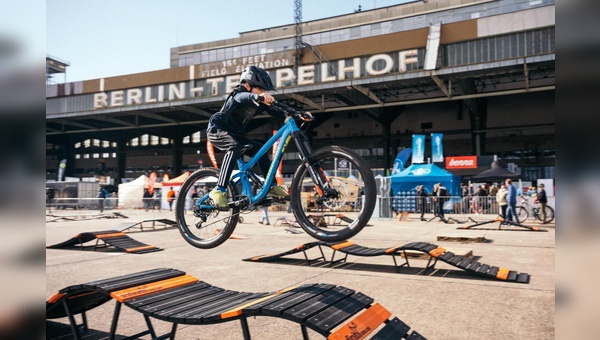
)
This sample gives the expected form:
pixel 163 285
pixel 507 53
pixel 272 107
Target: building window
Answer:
pixel 500 47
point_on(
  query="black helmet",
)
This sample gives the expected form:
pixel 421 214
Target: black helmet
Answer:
pixel 256 76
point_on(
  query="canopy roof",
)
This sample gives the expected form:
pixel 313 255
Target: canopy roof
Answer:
pixel 427 175
pixel 496 173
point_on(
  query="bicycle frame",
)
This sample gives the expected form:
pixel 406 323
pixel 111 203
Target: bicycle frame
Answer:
pixel 288 131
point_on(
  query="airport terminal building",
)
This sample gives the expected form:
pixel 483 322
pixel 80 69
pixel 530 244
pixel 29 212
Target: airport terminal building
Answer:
pixel 480 72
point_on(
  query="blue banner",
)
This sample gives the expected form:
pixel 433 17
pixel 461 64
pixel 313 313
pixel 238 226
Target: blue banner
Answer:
pixel 401 160
pixel 418 148
pixel 437 151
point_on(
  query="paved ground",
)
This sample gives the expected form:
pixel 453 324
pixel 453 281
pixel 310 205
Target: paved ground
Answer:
pixel 444 304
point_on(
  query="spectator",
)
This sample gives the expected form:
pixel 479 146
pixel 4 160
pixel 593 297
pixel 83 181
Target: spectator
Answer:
pixel 532 192
pixel 102 195
pixel 542 200
pixel 493 190
pixel 511 198
pixel 147 199
pixel 265 216
pixel 170 198
pixel 479 200
pixel 501 199
pixel 441 196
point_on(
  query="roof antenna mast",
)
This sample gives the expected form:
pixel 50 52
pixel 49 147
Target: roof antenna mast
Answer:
pixel 298 35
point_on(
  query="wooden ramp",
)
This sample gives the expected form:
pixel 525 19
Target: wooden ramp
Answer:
pixel 433 252
pixel 148 225
pixel 501 223
pixel 105 239
pixel 171 295
pixel 56 218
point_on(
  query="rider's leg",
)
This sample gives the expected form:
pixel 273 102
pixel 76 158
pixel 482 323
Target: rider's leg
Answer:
pixel 224 141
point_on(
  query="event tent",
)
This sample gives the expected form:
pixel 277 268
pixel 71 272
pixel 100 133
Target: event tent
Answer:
pixel 427 175
pixel 131 193
pixel 496 173
pixel 175 183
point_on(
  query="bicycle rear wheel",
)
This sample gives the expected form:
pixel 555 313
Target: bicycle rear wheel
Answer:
pixel 204 227
pixel 549 215
pixel 345 207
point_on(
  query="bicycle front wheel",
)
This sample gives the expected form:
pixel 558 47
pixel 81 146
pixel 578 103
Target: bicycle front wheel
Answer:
pixel 345 206
pixel 202 225
pixel 522 213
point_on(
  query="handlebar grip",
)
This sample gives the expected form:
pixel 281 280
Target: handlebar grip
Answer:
pixel 260 98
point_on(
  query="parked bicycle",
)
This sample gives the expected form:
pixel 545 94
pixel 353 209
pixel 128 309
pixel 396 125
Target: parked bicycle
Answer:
pixel 525 207
pixel 324 175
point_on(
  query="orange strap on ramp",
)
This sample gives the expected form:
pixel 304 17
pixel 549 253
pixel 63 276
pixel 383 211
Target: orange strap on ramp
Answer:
pixel 362 325
pixel 135 292
pixel 342 245
pixel 110 235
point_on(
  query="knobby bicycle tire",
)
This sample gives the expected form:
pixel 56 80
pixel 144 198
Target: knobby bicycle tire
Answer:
pixel 219 225
pixel 334 219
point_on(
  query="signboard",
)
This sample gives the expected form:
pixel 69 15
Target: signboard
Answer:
pixel 343 164
pixel 221 77
pixel 461 162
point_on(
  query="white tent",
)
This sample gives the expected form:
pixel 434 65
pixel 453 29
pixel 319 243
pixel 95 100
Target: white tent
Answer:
pixel 132 193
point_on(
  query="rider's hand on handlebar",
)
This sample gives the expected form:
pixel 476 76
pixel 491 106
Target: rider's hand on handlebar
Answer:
pixel 307 117
pixel 266 98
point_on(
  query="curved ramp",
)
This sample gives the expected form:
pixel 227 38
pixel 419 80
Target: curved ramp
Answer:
pixel 435 253
pixel 501 222
pixel 109 238
pixel 171 295
pixel 148 225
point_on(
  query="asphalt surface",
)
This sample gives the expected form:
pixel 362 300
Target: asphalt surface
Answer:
pixel 447 303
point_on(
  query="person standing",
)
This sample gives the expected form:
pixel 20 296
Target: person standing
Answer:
pixel 422 200
pixel 511 198
pixel 542 199
pixel 265 216
pixel 501 199
pixel 147 199
pixel 441 195
pixel 102 195
pixel 170 198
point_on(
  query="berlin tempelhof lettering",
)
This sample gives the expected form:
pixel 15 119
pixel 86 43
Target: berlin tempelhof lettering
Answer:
pixel 355 68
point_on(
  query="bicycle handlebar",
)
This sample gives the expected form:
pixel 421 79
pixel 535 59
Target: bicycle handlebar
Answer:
pixel 288 110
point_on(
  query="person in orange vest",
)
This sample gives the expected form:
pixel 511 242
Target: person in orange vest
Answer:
pixel 170 198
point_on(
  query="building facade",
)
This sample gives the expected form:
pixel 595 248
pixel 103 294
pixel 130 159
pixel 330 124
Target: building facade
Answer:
pixel 482 73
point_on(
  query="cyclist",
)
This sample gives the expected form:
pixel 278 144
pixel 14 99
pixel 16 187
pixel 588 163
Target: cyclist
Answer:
pixel 226 127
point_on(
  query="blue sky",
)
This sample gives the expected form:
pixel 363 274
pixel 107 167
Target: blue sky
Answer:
pixel 116 37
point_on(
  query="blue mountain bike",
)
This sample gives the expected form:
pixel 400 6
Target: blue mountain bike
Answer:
pixel 332 193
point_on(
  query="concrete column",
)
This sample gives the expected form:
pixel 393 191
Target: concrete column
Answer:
pixel 177 155
pixel 121 158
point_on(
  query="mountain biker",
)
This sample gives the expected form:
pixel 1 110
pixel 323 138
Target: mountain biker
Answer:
pixel 226 127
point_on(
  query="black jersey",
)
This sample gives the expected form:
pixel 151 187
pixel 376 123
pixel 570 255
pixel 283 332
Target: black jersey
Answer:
pixel 240 107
